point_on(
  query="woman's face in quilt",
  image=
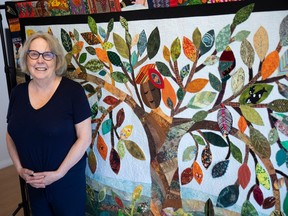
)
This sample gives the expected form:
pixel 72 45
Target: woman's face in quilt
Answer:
pixel 41 67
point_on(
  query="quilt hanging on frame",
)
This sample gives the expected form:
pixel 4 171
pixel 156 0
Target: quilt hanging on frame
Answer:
pixel 189 112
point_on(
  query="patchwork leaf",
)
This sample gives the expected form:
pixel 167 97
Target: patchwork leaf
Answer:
pixel 201 99
pixel 102 147
pixel 224 120
pixel 168 94
pixel 220 168
pixel 186 176
pixel 126 132
pixel 236 152
pixel 196 85
pixel 247 53
pixel 106 126
pixel 269 202
pixel 197 172
pixel 114 160
pixel 262 176
pixel 153 44
pixel 142 43
pixel 258 195
pixel 228 196
pixel 223 38
pixel 175 49
pixel 184 71
pixel 251 115
pixel 278 105
pixel 102 195
pixel 92 162
pixel 215 139
pixel 215 82
pixel 156 78
pixel 260 143
pixel 248 209
pixel 270 64
pixel 244 175
pixel 237 81
pixel 206 157
pixel 121 46
pixel 189 153
pixel 261 42
pixel 189 49
pixel 209 209
pixel 134 150
pixel 227 63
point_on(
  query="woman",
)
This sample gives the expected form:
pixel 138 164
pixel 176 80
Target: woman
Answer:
pixel 49 130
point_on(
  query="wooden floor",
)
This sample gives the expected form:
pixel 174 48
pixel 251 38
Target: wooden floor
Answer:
pixel 10 195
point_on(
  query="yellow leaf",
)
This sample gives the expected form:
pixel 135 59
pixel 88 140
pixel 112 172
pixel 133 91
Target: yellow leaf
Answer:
pixel 102 54
pixel 166 53
pixel 126 132
pixel 137 193
pixel 196 85
pixel 262 176
pixel 261 42
pixel 270 64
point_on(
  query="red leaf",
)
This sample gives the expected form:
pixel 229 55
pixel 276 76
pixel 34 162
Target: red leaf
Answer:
pixel 186 176
pixel 119 202
pixel 244 175
pixel 258 195
pixel 110 100
pixel 114 161
pixel 156 78
pixel 120 117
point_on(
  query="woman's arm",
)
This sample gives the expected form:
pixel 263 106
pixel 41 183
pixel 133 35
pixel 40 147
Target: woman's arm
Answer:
pixel 83 132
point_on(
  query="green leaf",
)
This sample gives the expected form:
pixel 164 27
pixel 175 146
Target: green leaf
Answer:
pixel 285 204
pixel 278 105
pixel 92 25
pixel 285 145
pixel 240 36
pixel 247 53
pixel 223 38
pixel 262 91
pixel 201 100
pixel 134 150
pixel 114 58
pixel 273 135
pixel 215 139
pixel 237 81
pixel 94 65
pixel 110 25
pixel 180 94
pixel 82 58
pixel 200 116
pixel 124 23
pixel 189 153
pixel 209 209
pixel 281 157
pixel 121 148
pixel 90 50
pixel 66 40
pixel 262 176
pixel 163 69
pixel 121 46
pixel 175 49
pixel 215 82
pixel 260 143
pixel 106 126
pixel 220 168
pixel 102 194
pixel 228 196
pixel 153 44
pixel 142 43
pixel 236 152
pixel 242 15
pixel 119 77
pixel 248 209
pixel 197 37
pixel 198 139
pixel 251 115
pixel 284 36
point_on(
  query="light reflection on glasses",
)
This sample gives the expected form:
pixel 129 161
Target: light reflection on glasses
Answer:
pixel 33 54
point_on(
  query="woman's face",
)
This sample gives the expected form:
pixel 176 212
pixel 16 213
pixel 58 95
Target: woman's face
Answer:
pixel 40 68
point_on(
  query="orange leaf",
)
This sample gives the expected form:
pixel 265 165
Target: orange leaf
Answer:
pixel 197 172
pixel 242 124
pixel 270 64
pixel 166 53
pixel 196 85
pixel 77 47
pixel 168 94
pixel 142 76
pixel 102 147
pixel 189 49
pixel 102 54
pixel 244 175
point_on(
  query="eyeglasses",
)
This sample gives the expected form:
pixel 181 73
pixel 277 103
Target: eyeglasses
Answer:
pixel 33 54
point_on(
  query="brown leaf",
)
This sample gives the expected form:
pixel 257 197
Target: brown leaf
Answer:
pixel 269 202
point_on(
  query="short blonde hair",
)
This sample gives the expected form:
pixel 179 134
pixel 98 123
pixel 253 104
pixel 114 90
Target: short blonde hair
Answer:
pixel 55 47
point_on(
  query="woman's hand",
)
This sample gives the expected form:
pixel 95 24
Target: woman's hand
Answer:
pixel 42 179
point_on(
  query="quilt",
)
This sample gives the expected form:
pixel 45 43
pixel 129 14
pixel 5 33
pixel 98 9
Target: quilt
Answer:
pixel 189 107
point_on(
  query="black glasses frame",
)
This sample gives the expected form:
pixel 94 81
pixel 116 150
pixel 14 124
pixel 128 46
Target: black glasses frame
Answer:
pixel 48 56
